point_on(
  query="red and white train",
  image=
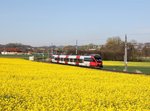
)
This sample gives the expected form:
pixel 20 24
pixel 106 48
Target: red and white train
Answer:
pixel 93 60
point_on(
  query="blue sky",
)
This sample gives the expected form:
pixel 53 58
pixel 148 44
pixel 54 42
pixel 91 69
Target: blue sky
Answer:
pixel 62 22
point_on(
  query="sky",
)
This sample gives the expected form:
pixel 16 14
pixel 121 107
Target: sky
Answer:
pixel 62 22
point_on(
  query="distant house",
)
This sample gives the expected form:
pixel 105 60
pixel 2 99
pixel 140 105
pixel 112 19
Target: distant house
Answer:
pixel 147 44
pixel 13 51
pixel 10 51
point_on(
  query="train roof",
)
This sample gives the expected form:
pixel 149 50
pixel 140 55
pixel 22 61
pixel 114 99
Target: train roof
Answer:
pixel 74 55
pixel 87 56
pixel 79 55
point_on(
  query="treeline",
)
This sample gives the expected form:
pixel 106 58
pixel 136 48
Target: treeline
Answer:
pixel 15 47
pixel 113 50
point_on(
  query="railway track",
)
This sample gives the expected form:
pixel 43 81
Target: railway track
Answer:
pixel 102 69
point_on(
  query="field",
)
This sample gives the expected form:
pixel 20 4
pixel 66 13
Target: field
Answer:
pixel 35 86
pixel 143 67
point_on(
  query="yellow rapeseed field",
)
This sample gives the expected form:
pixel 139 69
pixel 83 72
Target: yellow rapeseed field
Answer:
pixel 33 86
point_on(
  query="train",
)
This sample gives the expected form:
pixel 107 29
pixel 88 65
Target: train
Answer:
pixel 93 60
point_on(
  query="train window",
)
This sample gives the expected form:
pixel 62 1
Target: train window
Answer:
pixel 88 60
pixel 66 59
pixel 56 59
pixel 71 60
pixel 81 60
pixel 61 59
pixel 98 57
pixel 76 60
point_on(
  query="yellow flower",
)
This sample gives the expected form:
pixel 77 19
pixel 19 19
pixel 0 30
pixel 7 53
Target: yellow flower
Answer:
pixel 34 86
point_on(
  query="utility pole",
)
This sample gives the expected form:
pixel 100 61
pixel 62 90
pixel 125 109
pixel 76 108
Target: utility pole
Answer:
pixel 125 55
pixel 76 47
pixel 48 52
pixel 43 54
pixel 51 48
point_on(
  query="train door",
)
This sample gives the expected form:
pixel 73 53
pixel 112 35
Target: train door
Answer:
pixel 88 61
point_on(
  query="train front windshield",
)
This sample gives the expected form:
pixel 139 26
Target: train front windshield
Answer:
pixel 98 58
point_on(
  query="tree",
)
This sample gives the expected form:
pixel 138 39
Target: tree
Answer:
pixel 146 50
pixel 69 49
pixel 113 49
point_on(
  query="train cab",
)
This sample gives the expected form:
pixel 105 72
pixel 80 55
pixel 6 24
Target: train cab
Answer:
pixel 97 61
